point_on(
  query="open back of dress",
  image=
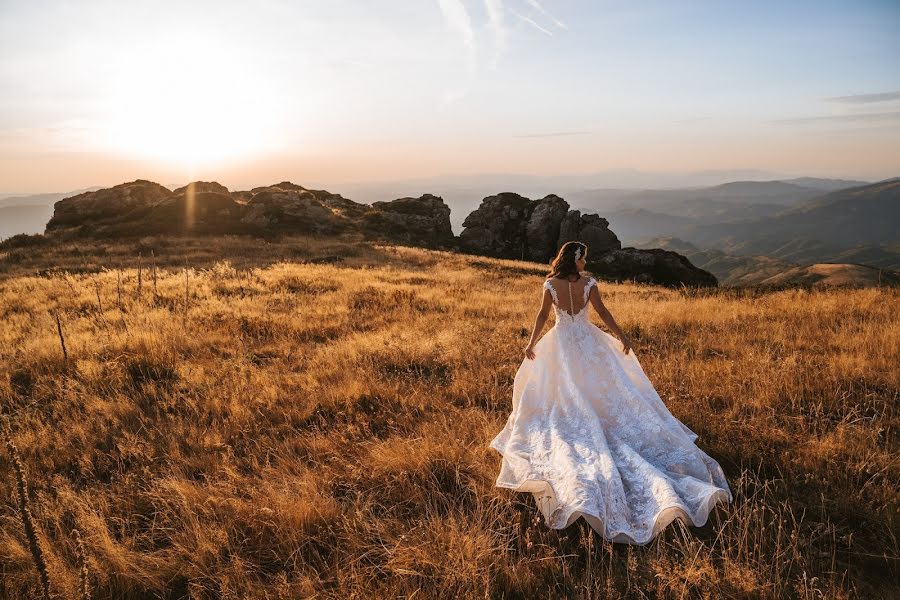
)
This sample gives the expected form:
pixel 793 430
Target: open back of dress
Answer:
pixel 571 297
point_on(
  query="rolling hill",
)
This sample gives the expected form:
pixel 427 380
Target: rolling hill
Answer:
pixel 854 225
pixel 766 271
pixel 830 274
pixel 867 214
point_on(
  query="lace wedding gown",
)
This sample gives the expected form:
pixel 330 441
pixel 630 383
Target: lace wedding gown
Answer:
pixel 590 437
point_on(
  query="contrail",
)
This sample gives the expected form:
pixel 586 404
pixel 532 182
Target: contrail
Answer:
pixel 532 23
pixel 537 5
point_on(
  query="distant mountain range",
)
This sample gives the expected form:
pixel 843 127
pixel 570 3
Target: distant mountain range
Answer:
pixel 782 220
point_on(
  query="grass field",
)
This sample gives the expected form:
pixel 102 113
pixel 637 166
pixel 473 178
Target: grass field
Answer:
pixel 310 419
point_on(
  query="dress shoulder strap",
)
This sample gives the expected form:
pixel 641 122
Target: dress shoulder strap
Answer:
pixel 549 286
pixel 587 288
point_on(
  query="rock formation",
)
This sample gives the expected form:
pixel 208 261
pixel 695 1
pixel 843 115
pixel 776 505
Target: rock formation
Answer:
pixel 506 225
pixel 202 186
pixel 295 210
pixel 512 226
pixel 662 267
pixel 92 208
pixel 497 226
pixel 207 207
pixel 424 220
pixel 590 229
pixel 543 226
pixel 200 212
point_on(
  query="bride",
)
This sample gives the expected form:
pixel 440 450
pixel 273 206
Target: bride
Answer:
pixel 588 435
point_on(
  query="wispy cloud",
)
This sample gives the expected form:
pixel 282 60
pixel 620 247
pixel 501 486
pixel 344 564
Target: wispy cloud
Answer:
pixel 692 120
pixel 458 20
pixel 866 98
pixel 531 22
pixel 496 22
pixel 539 7
pixel 460 23
pixel 852 118
pixel 553 134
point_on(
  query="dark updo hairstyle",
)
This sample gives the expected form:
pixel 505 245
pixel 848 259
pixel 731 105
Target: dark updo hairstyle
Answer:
pixel 563 266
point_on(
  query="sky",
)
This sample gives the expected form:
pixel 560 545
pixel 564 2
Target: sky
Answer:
pixel 250 93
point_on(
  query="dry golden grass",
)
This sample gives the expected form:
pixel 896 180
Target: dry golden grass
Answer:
pixel 263 427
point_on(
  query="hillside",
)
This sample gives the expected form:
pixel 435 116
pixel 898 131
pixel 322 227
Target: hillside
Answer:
pixel 739 196
pixel 862 215
pixel 854 225
pixel 267 419
pixel 830 274
pixel 729 269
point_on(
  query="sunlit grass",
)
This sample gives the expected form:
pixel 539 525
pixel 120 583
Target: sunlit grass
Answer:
pixel 254 425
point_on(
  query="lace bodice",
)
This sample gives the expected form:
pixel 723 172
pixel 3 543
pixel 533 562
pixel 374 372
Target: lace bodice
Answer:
pixel 563 317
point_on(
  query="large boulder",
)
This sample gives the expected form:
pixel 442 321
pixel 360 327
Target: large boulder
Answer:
pixel 202 186
pixel 499 226
pixel 340 206
pixel 297 211
pixel 90 209
pixel 542 229
pixel 657 266
pixel 592 230
pixel 424 220
pixel 511 226
pixel 201 212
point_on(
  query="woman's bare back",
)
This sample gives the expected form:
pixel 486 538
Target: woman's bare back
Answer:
pixel 576 303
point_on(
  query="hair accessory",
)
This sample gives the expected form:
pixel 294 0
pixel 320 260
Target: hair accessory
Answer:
pixel 578 253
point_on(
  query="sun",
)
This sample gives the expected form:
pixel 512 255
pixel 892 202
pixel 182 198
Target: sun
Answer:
pixel 191 99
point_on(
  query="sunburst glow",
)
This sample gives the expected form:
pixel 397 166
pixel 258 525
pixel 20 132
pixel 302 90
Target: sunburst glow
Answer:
pixel 191 99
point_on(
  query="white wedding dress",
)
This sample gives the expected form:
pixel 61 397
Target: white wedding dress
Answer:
pixel 590 437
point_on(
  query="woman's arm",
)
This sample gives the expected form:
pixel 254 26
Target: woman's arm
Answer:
pixel 607 318
pixel 539 321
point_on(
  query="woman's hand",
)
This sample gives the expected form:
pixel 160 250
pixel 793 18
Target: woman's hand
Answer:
pixel 529 352
pixel 626 344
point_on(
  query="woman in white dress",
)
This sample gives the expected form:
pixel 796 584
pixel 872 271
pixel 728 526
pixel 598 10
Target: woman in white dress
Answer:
pixel 588 435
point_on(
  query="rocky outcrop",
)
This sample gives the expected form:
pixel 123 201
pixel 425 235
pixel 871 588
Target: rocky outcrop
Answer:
pixel 202 186
pixel 424 220
pixel 295 210
pixel 143 207
pixel 662 267
pixel 590 229
pixel 542 229
pixel 512 226
pixel 497 227
pixel 110 204
pixel 506 225
pixel 201 212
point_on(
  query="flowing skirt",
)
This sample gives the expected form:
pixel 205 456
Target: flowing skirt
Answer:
pixel 590 437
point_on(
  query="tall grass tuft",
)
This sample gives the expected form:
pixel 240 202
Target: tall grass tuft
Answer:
pixel 34 545
pixel 84 583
